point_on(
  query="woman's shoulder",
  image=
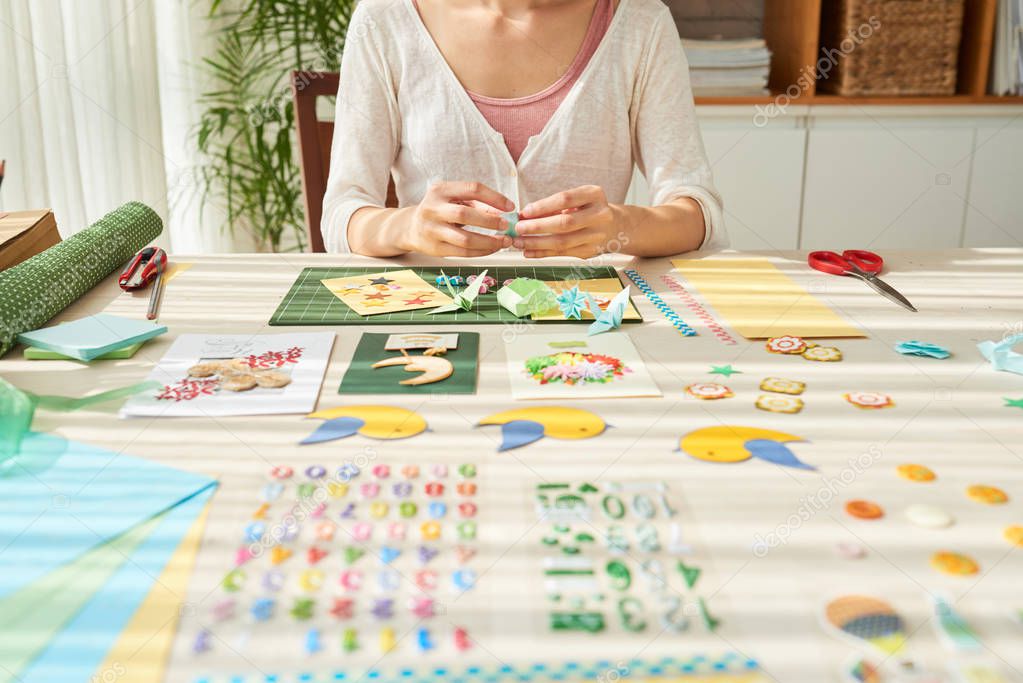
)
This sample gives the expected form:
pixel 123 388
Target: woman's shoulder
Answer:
pixel 644 12
pixel 389 13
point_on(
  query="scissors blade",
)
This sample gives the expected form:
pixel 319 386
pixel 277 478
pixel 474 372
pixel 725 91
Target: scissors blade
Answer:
pixel 886 290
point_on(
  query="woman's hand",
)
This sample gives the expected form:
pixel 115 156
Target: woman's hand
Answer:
pixel 438 223
pixel 576 222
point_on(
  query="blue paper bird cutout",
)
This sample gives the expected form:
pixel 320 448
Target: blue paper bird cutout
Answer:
pixel 775 452
pixel 610 319
pixel 332 430
pixel 519 433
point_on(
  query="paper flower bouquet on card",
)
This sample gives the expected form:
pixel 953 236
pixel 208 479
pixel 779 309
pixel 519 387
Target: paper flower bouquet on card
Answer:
pixel 571 367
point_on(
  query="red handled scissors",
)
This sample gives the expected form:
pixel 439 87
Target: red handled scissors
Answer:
pixel 865 265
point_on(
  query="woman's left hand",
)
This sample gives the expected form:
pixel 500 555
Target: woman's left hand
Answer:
pixel 577 222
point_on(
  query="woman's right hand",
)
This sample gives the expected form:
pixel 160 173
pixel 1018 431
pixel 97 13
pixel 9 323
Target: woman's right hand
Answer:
pixel 438 223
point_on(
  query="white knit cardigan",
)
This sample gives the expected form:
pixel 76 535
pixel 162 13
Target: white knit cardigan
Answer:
pixel 402 112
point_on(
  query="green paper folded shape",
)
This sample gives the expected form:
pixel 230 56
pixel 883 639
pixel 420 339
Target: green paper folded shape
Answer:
pixel 524 296
pixel 33 292
pixel 32 353
pixel 17 408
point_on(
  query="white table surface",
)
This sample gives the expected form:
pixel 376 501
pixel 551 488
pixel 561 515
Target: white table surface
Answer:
pixel 949 416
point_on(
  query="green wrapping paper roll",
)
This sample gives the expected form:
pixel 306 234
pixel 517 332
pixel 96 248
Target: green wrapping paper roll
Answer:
pixel 33 292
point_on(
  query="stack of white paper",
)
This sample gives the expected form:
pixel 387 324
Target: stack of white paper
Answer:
pixel 728 67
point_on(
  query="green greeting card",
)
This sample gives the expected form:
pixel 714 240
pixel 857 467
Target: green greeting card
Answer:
pixel 363 378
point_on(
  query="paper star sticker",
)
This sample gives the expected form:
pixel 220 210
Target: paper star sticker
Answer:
pixel 380 281
pixel 418 301
pixel 368 304
pixel 378 295
pixel 726 370
pixel 1014 403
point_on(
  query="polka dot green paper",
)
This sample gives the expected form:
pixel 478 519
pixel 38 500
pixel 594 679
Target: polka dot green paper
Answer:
pixel 33 292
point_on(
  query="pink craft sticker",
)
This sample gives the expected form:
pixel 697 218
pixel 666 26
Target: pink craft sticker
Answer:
pixel 351 580
pixel 281 472
pixel 370 490
pixel 396 531
pixel 381 471
pixel 362 531
pixel 426 579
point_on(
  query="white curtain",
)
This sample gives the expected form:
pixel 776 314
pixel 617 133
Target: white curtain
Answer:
pixel 98 105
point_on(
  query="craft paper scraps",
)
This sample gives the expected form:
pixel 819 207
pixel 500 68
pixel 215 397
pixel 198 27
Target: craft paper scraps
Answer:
pixel 527 425
pixel 868 400
pixel 77 496
pixel 512 217
pixel 1001 356
pixel 709 391
pixel 866 620
pixel 954 564
pixel 218 375
pixel 783 386
pixel 918 348
pixel 780 404
pixel 387 292
pixel 611 318
pixel 759 301
pixel 464 300
pixel 730 444
pixel 375 422
pixel 525 296
pixel 608 366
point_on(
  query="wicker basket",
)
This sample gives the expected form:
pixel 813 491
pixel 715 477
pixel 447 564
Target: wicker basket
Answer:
pixel 890 47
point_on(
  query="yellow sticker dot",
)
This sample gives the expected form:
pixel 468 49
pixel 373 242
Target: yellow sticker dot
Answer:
pixel 337 489
pixel 954 564
pixel 917 473
pixel 379 509
pixel 1014 535
pixel 430 531
pixel 989 495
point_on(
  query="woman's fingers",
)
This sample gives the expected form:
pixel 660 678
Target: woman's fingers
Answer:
pixel 581 252
pixel 565 222
pixel 464 192
pixel 461 214
pixel 561 244
pixel 470 241
pixel 562 201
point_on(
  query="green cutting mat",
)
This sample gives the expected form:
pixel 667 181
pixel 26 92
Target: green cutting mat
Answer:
pixel 308 302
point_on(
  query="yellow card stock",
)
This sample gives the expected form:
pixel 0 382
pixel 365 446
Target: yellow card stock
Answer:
pixel 759 301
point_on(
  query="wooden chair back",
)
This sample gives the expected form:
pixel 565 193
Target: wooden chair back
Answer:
pixel 314 141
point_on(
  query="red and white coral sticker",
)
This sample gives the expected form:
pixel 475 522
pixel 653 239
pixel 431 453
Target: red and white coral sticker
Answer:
pixel 869 400
pixel 709 391
pixel 787 344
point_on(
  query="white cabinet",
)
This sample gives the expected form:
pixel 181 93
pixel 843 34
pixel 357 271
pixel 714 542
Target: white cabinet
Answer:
pixel 994 215
pixel 760 176
pixel 881 185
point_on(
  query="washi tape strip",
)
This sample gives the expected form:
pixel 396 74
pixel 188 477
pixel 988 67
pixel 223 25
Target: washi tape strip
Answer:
pixel 701 666
pixel 667 311
pixel 699 310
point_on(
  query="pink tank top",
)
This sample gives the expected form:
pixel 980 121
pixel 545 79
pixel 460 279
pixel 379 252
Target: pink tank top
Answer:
pixel 520 118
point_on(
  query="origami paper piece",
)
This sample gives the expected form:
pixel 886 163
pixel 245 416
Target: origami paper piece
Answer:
pixel 728 444
pixel 918 348
pixel 513 220
pixel 611 317
pixel 525 296
pixel 376 422
pixel 464 300
pixel 526 425
pixel 573 302
pixel 1001 356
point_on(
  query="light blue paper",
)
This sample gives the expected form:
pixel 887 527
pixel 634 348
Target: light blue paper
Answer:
pixel 925 349
pixel 611 318
pixel 59 499
pixel 83 643
pixel 91 337
pixel 1001 356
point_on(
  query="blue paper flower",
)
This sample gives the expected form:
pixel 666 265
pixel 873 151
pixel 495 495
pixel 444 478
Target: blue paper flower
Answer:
pixel 572 303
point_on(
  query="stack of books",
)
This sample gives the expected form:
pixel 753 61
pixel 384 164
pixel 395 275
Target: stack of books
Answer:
pixel 728 68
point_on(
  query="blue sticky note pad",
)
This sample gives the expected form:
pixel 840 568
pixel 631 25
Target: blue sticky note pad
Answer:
pixel 59 499
pixel 89 338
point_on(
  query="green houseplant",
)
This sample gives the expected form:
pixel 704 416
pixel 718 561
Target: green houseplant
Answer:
pixel 247 127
